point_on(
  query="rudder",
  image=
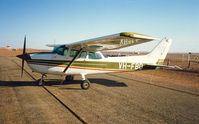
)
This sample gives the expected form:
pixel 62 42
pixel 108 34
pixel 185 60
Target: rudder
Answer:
pixel 158 54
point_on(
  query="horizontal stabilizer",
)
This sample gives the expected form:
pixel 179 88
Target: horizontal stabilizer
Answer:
pixel 167 66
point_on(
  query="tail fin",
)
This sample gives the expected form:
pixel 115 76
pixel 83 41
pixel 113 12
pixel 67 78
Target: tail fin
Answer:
pixel 158 54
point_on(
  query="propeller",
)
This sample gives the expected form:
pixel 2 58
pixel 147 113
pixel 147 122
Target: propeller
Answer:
pixel 24 55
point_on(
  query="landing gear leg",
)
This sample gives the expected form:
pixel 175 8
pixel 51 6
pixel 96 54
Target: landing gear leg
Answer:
pixel 85 82
pixel 41 81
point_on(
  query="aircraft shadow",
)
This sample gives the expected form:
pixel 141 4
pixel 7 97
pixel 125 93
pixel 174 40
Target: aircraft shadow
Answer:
pixel 105 82
pixel 51 82
pixel 48 82
pixel 108 83
pixel 17 83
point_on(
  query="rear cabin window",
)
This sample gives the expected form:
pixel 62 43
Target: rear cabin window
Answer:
pixel 61 50
pixel 93 55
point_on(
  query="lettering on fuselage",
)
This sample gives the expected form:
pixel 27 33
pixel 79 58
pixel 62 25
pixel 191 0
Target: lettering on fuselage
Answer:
pixel 124 42
pixel 130 66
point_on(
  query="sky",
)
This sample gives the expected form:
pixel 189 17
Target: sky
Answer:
pixel 64 21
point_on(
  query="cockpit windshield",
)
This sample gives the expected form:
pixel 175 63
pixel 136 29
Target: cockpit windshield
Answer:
pixel 61 50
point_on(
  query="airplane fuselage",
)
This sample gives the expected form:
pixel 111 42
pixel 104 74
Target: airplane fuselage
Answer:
pixel 87 63
pixel 55 64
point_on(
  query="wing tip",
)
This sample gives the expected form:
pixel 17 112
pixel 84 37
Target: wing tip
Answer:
pixel 136 35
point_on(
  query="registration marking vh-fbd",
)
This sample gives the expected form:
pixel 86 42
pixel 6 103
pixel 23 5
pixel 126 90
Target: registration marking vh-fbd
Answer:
pixel 130 66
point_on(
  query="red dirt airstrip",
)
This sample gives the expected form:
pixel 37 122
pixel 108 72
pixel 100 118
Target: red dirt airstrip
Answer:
pixel 146 96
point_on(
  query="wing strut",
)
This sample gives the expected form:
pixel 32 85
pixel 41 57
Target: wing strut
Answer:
pixel 71 62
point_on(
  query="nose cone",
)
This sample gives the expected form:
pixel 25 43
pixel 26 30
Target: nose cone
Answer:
pixel 20 56
pixel 24 56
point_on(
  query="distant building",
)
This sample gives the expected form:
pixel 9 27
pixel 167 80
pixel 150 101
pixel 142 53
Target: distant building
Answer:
pixel 9 47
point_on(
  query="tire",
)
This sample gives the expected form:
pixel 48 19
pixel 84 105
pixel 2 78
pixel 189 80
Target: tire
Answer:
pixel 40 82
pixel 85 84
pixel 69 78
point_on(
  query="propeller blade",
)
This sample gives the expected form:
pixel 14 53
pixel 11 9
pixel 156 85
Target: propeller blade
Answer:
pixel 22 67
pixel 24 52
pixel 24 46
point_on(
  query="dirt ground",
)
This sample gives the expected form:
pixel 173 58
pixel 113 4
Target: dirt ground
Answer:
pixel 182 60
pixel 175 77
pixel 14 52
pixel 148 96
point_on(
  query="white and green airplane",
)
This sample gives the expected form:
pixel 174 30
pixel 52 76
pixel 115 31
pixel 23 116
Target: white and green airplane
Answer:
pixel 85 57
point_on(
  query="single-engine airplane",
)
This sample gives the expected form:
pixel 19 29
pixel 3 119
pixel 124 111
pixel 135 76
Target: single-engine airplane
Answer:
pixel 85 57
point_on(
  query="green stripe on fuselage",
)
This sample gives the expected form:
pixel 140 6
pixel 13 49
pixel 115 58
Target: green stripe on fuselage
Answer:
pixel 92 64
pixel 160 63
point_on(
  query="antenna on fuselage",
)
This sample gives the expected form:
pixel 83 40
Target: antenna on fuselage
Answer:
pixel 54 43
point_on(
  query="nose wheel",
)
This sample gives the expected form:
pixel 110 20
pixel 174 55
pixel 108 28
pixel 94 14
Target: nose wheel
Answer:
pixel 41 81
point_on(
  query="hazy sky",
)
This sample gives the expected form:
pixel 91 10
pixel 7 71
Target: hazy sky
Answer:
pixel 63 21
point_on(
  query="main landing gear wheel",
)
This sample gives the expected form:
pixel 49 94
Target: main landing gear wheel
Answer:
pixel 69 78
pixel 85 84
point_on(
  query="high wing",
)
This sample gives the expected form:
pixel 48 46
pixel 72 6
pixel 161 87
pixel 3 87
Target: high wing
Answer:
pixel 53 45
pixel 110 42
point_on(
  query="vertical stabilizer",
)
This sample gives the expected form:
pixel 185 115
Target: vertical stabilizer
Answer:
pixel 158 54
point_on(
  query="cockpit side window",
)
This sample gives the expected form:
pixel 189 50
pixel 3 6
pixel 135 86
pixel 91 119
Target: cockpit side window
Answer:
pixel 61 50
pixel 105 56
pixel 93 55
pixel 65 52
pixel 83 55
pixel 73 53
